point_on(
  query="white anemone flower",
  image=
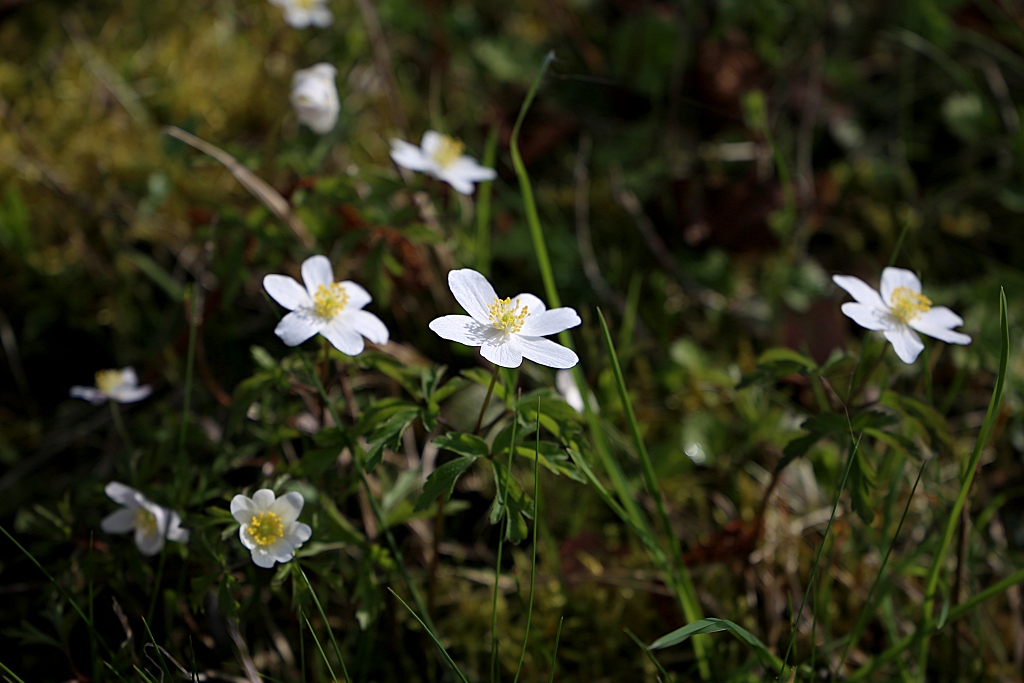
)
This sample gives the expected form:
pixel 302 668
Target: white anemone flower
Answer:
pixel 269 525
pixel 315 97
pixel 333 309
pixel 441 156
pixel 151 523
pixel 566 386
pixel 506 330
pixel 120 386
pixel 304 13
pixel 898 310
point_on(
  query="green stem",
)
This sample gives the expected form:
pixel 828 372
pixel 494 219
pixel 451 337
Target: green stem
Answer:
pixel 536 524
pixel 122 430
pixel 487 400
pixel 501 544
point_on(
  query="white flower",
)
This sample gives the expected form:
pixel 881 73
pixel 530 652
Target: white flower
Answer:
pixel 150 522
pixel 566 386
pixel 441 156
pixel 121 386
pixel 506 330
pixel 334 309
pixel 270 527
pixel 898 310
pixel 315 97
pixel 303 13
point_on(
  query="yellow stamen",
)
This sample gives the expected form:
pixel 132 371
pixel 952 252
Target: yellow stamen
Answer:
pixel 266 528
pixel 108 380
pixel 448 151
pixel 305 4
pixel 507 316
pixel 145 520
pixel 330 300
pixel 906 304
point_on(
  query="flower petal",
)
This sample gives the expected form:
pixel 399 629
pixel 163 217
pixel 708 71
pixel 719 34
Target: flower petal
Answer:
pixel 246 538
pixel 288 506
pixel 262 558
pixel 459 184
pixel 566 386
pixel 368 325
pixel 121 493
pixel 263 499
pixel 893 278
pixel 321 17
pixel 148 544
pixel 316 271
pixel 938 323
pixel 410 156
pixel 281 551
pixel 300 533
pixel 547 352
pixel 550 322
pixel 466 167
pixel 343 337
pixel 287 291
pixel 431 142
pixel 462 329
pixel 128 377
pixel 174 531
pixel 905 342
pixel 298 326
pixel 860 290
pixel 120 521
pixel 242 509
pixel 90 394
pixel 866 316
pixel 473 292
pixel 504 351
pixel 357 296
pixel 534 303
pixel 128 394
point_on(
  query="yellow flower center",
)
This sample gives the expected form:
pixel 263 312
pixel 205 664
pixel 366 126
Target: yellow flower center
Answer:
pixel 330 300
pixel 266 528
pixel 108 380
pixel 145 520
pixel 507 316
pixel 907 304
pixel 305 4
pixel 448 151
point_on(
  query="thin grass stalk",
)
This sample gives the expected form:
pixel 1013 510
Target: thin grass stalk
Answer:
pixel 862 618
pixel 302 645
pixel 159 651
pixel 320 648
pixel 965 486
pixel 430 632
pixel 190 361
pixel 10 673
pixel 501 544
pixel 323 615
pixel 122 430
pixel 96 669
pixel 482 251
pixel 374 504
pixel 684 588
pixel 650 655
pixel 536 523
pixel 817 556
pixel 554 655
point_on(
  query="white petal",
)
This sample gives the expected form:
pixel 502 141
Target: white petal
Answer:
pixel 566 386
pixel 90 394
pixel 263 499
pixel 938 322
pixel 462 329
pixel 262 558
pixel 467 168
pixel 242 509
pixel 547 352
pixel 460 185
pixel 368 325
pixel 288 507
pixel 549 322
pixel 316 271
pixel 893 278
pixel 343 337
pixel 357 296
pixel 473 292
pixel 243 535
pixel 867 317
pixel 534 303
pixel 504 351
pixel 174 531
pixel 296 17
pixel 860 290
pixel 121 493
pixel 149 544
pixel 281 551
pixel 298 326
pixel 131 394
pixel 431 142
pixel 300 533
pixel 128 377
pixel 287 291
pixel 907 345
pixel 410 156
pixel 120 521
pixel 321 17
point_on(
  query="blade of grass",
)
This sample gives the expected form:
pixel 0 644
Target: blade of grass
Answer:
pixel 10 673
pixel 444 653
pixel 965 487
pixel 96 670
pixel 483 206
pixel 554 655
pixel 323 615
pixel 650 656
pixel 320 647
pixel 536 524
pixel 159 651
pixel 501 545
pixel 681 580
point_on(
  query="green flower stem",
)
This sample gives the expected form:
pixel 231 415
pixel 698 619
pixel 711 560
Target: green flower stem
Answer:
pixel 536 524
pixel 487 400
pixel 939 558
pixel 501 544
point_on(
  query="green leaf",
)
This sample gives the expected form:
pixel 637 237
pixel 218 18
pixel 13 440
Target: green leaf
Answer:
pixel 460 443
pixel 262 357
pixel 388 435
pixel 154 272
pixel 553 458
pixel 712 625
pixel 316 461
pixel 862 481
pixel 442 480
pixel 517 505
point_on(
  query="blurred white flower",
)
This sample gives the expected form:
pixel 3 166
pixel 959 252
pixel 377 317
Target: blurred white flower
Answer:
pixel 269 526
pixel 121 386
pixel 441 156
pixel 334 309
pixel 150 522
pixel 898 310
pixel 303 13
pixel 566 386
pixel 315 97
pixel 506 330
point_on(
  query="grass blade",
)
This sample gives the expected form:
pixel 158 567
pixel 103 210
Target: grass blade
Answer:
pixel 323 615
pixel 440 648
pixel 536 524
